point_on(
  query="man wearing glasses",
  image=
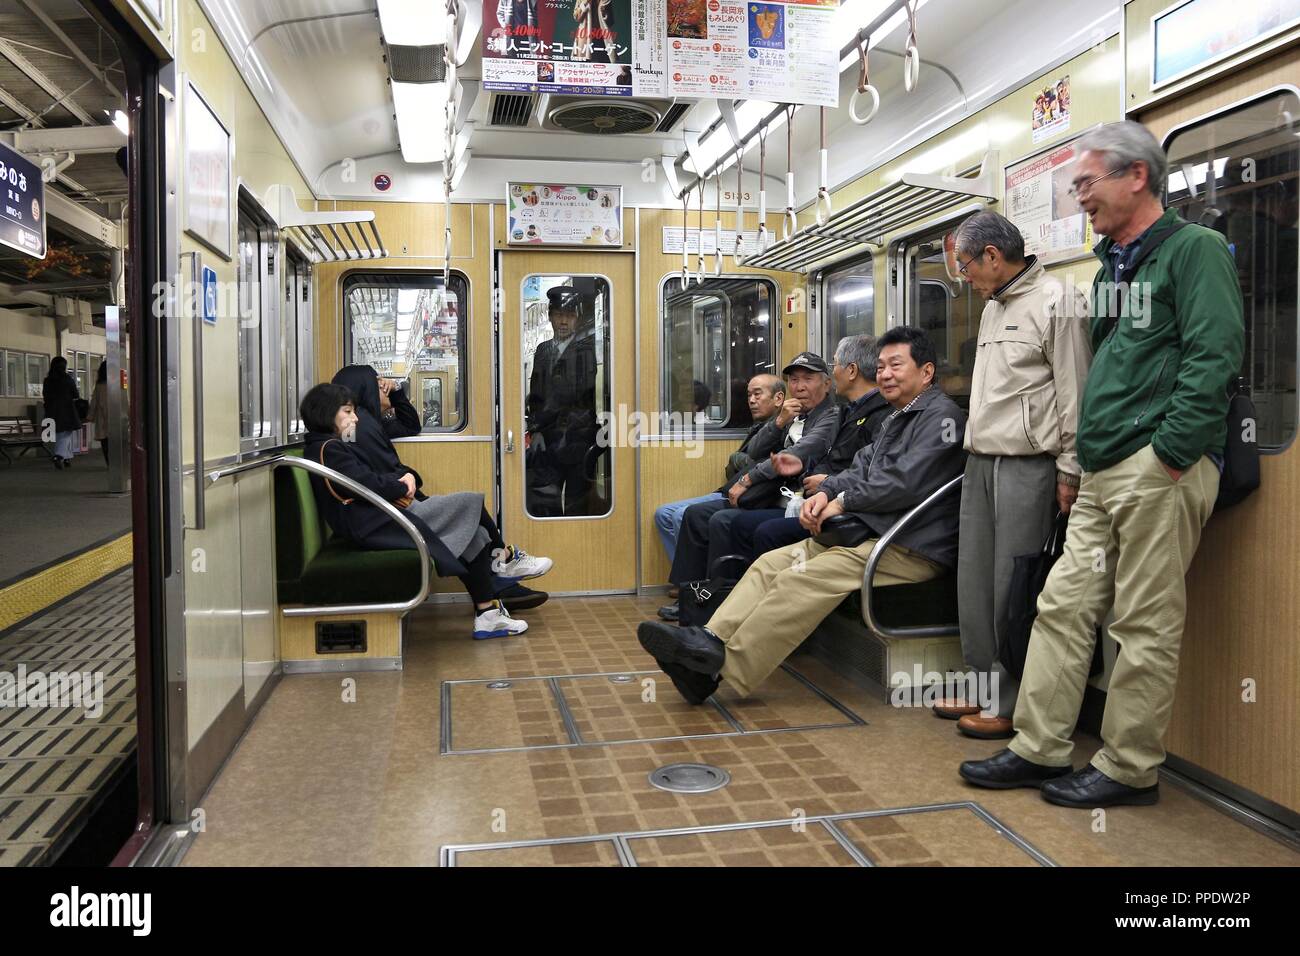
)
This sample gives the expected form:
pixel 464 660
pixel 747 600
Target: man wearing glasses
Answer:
pixel 1031 360
pixel 1167 335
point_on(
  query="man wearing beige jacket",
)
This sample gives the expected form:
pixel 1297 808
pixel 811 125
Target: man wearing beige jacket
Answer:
pixel 1030 364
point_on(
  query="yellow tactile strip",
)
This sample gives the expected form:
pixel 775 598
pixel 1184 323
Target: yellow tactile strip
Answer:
pixel 33 594
pixel 54 760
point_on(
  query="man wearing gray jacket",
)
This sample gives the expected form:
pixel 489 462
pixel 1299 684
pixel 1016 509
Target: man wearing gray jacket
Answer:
pixel 1030 364
pixel 804 427
pixel 787 592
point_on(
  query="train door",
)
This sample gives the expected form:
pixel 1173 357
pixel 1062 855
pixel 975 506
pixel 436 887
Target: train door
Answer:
pixel 567 474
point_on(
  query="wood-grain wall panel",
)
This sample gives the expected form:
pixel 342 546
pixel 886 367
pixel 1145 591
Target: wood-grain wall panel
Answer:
pixel 671 473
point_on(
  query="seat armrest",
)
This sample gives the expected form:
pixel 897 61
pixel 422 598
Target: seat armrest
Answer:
pixel 878 552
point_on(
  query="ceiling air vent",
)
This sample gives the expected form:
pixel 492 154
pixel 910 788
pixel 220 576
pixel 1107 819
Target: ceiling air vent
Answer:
pixel 675 112
pixel 511 109
pixel 603 117
pixel 417 64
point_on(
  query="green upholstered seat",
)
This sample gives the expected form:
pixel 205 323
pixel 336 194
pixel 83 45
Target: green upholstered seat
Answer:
pixel 315 567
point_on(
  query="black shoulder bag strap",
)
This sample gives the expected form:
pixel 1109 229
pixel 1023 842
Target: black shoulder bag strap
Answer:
pixel 1152 243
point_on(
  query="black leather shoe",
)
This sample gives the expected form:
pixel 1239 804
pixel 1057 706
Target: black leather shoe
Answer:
pixel 692 647
pixel 1089 788
pixel 516 597
pixel 668 613
pixel 1006 770
pixel 694 687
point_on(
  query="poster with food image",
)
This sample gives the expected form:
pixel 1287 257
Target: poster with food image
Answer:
pixel 577 47
pixel 564 214
pixel 1038 201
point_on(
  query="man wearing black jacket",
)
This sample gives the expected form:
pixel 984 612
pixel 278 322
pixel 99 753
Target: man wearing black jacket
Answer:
pixel 804 428
pixel 860 414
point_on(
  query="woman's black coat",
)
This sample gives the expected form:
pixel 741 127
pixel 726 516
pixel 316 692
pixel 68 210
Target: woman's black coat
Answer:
pixel 60 395
pixel 359 521
pixel 374 433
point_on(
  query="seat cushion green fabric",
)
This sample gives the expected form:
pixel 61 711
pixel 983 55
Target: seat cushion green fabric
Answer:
pixel 299 531
pixel 902 605
pixel 342 573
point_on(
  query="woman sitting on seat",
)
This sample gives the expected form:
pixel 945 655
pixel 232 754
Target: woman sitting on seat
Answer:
pixel 458 542
pixel 383 413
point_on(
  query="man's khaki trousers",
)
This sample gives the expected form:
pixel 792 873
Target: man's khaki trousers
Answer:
pixel 1132 534
pixel 787 592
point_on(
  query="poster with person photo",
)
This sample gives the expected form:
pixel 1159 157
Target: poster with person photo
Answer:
pixel 558 46
pixel 1051 111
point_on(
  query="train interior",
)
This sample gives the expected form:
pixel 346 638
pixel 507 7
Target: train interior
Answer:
pixel 242 197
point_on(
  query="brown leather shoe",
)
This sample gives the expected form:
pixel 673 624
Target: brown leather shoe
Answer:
pixel 950 708
pixel 673 592
pixel 986 728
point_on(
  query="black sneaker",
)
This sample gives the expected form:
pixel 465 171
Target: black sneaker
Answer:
pixel 693 647
pixel 516 597
pixel 694 687
pixel 668 612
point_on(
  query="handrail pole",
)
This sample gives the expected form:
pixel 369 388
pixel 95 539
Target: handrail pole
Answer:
pixel 357 488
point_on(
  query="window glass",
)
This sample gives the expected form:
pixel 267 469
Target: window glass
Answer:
pixel 947 309
pixel 252 394
pixel 849 304
pixel 15 375
pixel 37 368
pixel 717 336
pixel 1239 173
pixel 565 324
pixel 407 328
pixel 291 317
pixel 306 342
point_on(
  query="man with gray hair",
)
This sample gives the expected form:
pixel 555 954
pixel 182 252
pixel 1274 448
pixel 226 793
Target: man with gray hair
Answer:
pixel 1167 335
pixel 1031 360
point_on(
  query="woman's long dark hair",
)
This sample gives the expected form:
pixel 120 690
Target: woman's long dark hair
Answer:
pixel 58 368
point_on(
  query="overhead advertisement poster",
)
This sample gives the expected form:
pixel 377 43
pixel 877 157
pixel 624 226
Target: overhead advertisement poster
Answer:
pixel 579 47
pixel 567 215
pixel 22 220
pixel 780 51
pixel 1038 201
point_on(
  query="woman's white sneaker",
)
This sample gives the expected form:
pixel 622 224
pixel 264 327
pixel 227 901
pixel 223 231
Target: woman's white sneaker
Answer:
pixel 496 622
pixel 512 562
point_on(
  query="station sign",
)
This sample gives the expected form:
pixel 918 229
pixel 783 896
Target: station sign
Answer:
pixel 23 213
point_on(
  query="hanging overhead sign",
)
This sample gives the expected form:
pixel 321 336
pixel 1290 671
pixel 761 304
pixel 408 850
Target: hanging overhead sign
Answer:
pixel 554 214
pixel 784 51
pixel 22 217
pixel 559 46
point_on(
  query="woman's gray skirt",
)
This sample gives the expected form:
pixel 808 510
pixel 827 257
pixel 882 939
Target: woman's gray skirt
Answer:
pixel 454 519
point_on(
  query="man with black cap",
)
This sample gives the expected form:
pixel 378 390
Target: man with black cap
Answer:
pixel 804 429
pixel 562 422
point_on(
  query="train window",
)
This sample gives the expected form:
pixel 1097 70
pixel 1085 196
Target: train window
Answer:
pixel 717 335
pixel 259 368
pixel 404 326
pixel 946 308
pixel 299 362
pixel 1239 172
pixel 566 368
pixel 849 303
pixel 82 366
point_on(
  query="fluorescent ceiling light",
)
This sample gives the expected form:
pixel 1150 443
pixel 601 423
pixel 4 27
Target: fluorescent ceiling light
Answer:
pixel 853 295
pixel 421 127
pixel 406 300
pixel 412 22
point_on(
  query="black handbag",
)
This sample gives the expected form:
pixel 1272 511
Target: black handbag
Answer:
pixel 697 600
pixel 1240 456
pixel 83 408
pixel 1028 575
pixel 844 531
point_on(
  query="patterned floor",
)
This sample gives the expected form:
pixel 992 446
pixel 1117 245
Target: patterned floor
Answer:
pixel 54 761
pixel 319 781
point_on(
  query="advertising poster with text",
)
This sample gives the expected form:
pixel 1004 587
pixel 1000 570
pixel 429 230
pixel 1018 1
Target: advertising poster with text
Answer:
pixel 559 46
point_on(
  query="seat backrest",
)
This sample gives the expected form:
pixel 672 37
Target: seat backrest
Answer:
pixel 300 532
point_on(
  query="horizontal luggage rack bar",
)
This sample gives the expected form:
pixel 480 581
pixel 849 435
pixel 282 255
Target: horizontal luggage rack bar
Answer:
pixel 866 221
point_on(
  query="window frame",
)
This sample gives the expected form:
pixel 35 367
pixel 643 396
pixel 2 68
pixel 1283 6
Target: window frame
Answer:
pixel 22 356
pixel 270 259
pixel 824 276
pixel 443 433
pixel 1209 117
pixel 776 324
pixel 294 429
pixel 609 385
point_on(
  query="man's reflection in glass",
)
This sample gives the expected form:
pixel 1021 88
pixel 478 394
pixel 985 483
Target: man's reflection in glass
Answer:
pixel 562 423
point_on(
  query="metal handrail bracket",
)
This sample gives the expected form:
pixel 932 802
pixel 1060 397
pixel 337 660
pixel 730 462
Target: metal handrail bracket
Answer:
pixel 878 552
pixel 275 461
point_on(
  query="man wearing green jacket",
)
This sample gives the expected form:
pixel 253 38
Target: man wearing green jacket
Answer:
pixel 1167 337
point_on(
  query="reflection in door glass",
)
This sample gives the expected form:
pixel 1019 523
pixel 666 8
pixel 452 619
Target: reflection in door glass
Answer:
pixel 949 312
pixel 850 304
pixel 565 323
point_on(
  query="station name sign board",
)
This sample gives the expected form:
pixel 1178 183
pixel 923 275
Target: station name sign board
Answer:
pixel 22 214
